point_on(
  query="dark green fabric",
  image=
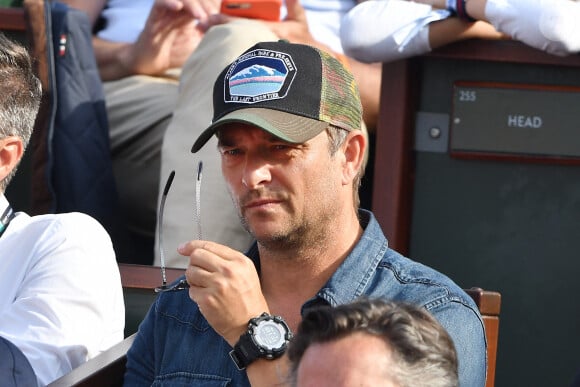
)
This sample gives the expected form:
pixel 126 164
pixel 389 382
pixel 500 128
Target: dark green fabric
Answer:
pixel 137 303
pixel 10 3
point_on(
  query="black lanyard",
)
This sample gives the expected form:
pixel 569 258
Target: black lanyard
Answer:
pixel 7 216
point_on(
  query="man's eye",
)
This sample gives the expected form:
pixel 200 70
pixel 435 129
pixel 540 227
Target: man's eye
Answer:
pixel 231 152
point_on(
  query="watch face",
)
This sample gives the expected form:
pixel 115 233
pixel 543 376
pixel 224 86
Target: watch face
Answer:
pixel 270 334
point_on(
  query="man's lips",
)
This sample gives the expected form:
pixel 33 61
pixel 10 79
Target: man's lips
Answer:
pixel 260 203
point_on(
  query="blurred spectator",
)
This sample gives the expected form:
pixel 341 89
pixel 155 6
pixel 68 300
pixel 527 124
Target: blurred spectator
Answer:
pixel 61 301
pixel 372 343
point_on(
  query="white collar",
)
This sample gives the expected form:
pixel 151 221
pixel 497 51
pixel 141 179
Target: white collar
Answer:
pixel 3 203
pixel 6 213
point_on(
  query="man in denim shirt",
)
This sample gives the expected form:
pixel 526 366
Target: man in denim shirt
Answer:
pixel 288 121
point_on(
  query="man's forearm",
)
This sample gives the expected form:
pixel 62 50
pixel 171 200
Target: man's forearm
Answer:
pixel 474 8
pixel 92 8
pixel 112 59
pixel 452 30
pixel 368 77
pixel 110 56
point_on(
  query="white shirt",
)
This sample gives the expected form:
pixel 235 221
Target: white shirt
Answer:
pixel 388 30
pixel 124 19
pixel 324 18
pixel 61 299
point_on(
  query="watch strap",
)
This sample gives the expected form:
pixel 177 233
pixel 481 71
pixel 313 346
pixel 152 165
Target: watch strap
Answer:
pixel 245 351
pixel 248 347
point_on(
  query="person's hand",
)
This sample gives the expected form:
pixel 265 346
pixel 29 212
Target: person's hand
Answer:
pixel 171 34
pixel 294 27
pixel 225 285
pixel 200 10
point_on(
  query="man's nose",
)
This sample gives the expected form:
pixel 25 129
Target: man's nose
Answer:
pixel 256 172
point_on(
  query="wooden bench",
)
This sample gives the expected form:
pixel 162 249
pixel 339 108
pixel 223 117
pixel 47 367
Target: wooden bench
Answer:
pixel 139 283
pixel 12 19
pixel 489 304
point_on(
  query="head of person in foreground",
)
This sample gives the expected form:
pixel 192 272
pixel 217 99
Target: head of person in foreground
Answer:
pixel 19 102
pixel 372 342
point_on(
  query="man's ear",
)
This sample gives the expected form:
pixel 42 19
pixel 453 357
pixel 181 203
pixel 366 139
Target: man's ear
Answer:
pixel 11 150
pixel 355 147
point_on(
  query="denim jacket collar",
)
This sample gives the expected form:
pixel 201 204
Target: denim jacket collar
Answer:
pixel 352 276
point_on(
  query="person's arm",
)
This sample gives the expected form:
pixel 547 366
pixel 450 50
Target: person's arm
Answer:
pixel 108 54
pixel 226 287
pixel 92 8
pixel 376 31
pixel 465 326
pixel 551 26
pixel 169 36
pixel 368 79
pixel 453 30
pixel 166 42
pixel 548 26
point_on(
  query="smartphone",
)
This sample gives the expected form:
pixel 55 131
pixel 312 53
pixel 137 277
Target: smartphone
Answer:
pixel 253 9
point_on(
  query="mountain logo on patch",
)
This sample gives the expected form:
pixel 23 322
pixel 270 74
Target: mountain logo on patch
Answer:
pixel 259 75
pixel 256 80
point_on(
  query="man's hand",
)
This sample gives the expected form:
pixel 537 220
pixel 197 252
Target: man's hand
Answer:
pixel 200 10
pixel 170 35
pixel 225 285
pixel 294 27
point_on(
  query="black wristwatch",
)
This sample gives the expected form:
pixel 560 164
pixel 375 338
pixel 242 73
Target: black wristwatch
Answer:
pixel 267 337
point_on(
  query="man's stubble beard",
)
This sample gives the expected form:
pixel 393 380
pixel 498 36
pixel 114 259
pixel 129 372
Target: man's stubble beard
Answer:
pixel 279 241
pixel 294 237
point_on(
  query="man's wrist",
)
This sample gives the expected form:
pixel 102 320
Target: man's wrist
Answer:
pixel 267 337
pixel 458 8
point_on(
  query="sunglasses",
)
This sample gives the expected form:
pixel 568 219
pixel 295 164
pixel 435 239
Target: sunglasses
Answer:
pixel 181 285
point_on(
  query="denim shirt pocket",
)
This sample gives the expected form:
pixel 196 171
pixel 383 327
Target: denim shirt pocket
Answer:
pixel 188 379
pixel 181 311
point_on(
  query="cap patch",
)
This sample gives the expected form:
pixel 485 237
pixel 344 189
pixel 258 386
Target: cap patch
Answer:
pixel 259 75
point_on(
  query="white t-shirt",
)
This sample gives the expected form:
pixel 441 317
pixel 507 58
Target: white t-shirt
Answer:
pixel 124 19
pixel 61 299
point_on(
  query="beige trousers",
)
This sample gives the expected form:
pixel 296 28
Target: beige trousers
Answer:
pixel 139 109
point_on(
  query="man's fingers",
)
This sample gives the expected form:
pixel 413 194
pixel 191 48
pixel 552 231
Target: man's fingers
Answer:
pixel 172 5
pixel 221 251
pixel 295 11
pixel 201 9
